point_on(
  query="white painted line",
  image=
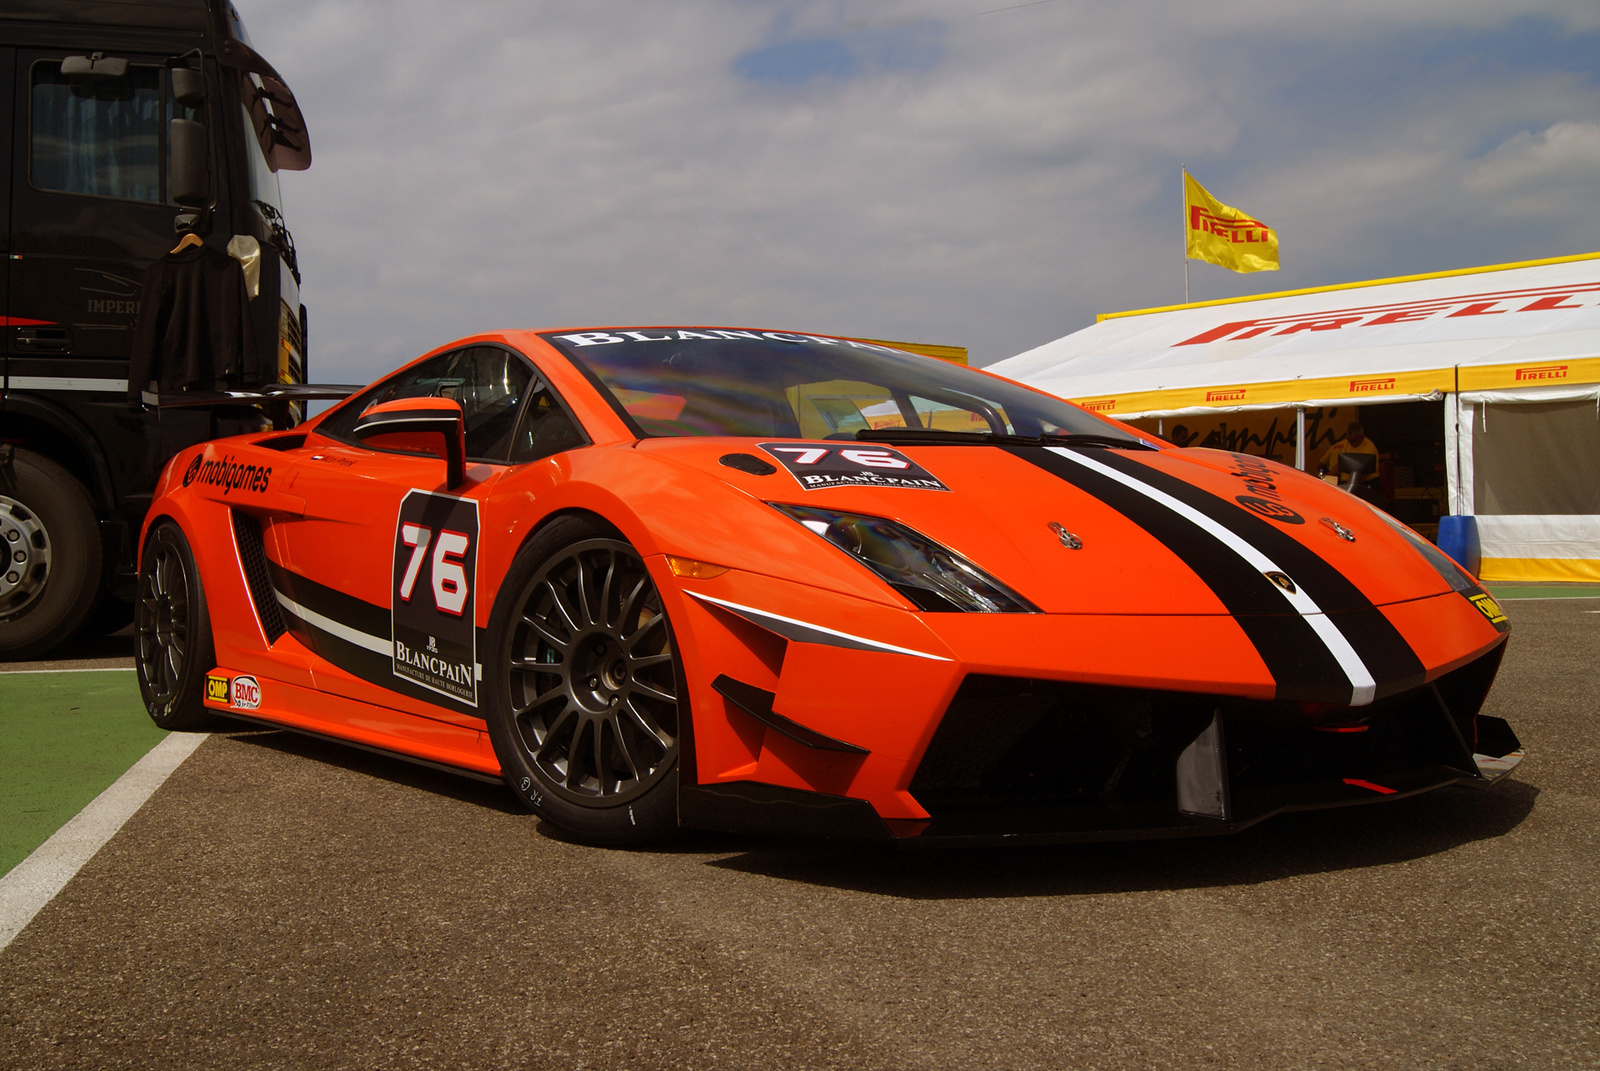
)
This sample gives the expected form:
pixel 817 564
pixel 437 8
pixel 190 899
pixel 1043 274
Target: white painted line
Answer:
pixel 34 882
pixel 93 669
pixel 1544 598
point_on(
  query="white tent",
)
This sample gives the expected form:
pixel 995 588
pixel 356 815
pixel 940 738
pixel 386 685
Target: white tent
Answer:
pixel 1512 352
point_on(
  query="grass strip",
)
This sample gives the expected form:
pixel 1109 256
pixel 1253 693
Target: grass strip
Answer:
pixel 64 738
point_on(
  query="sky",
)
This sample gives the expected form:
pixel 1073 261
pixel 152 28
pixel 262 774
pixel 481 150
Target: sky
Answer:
pixel 962 172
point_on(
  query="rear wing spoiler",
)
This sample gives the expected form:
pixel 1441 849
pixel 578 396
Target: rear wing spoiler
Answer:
pixel 277 392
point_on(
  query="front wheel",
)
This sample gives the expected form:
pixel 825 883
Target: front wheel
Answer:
pixel 172 631
pixel 585 695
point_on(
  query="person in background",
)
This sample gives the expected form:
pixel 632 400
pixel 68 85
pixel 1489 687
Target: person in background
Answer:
pixel 1181 436
pixel 1355 441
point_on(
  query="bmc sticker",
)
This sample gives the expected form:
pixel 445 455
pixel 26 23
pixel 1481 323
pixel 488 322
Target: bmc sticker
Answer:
pixel 244 693
pixel 435 583
pixel 818 467
pixel 216 688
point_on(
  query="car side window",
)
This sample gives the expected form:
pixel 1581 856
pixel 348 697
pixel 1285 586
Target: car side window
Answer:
pixel 545 429
pixel 488 382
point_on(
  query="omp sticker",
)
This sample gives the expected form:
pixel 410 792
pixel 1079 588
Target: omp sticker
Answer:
pixel 1490 609
pixel 861 465
pixel 216 688
pixel 244 693
pixel 434 591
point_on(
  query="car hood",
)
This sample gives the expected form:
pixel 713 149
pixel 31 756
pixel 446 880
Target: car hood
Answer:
pixel 1090 530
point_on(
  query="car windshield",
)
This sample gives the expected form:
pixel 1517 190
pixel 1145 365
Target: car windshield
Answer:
pixel 714 381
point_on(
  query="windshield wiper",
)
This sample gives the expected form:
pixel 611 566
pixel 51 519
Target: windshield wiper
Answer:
pixel 940 437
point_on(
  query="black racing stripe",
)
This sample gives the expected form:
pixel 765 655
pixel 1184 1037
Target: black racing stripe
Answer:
pixel 331 603
pixel 1394 666
pixel 362 616
pixel 1301 665
pixel 378 669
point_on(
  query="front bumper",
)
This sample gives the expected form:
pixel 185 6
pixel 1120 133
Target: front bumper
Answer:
pixel 1024 761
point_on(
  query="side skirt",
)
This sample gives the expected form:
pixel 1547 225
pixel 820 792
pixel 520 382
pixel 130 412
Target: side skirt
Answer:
pixel 460 771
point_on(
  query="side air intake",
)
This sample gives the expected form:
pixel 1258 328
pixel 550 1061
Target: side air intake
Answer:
pixel 253 557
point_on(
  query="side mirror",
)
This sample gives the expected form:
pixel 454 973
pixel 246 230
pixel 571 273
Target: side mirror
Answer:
pixel 189 181
pixel 188 86
pixel 422 417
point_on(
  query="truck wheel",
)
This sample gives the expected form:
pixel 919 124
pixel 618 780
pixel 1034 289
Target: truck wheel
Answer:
pixel 51 576
pixel 172 632
pixel 585 694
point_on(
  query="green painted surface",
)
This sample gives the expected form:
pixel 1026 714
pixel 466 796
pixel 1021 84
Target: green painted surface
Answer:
pixel 64 738
pixel 1510 591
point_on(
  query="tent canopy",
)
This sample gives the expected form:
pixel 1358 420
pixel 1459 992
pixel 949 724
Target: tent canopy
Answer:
pixel 1508 327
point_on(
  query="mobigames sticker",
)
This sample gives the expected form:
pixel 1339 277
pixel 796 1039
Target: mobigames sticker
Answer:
pixel 1267 500
pixel 227 474
pixel 435 583
pixel 862 465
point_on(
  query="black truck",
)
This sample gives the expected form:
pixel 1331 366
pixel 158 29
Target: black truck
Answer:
pixel 131 126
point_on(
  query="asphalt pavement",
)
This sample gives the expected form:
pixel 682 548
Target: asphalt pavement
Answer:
pixel 284 903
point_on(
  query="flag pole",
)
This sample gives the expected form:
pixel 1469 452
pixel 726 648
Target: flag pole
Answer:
pixel 1183 197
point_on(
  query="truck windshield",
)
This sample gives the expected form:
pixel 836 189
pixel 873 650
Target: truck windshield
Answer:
pixel 711 381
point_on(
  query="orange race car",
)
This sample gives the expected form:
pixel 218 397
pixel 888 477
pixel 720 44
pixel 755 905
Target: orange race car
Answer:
pixel 764 581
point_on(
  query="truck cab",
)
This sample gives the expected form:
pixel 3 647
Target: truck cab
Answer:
pixel 126 124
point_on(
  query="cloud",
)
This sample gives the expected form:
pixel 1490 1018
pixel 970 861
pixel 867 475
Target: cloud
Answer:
pixel 928 173
pixel 1552 173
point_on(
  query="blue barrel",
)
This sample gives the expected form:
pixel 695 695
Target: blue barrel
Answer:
pixel 1458 537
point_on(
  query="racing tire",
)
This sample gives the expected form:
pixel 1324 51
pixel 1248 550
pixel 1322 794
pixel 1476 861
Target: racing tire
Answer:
pixel 54 560
pixel 173 646
pixel 585 692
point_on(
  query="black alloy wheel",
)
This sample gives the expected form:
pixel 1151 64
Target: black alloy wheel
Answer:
pixel 172 631
pixel 586 697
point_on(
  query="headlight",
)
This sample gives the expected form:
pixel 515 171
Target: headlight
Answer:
pixel 932 577
pixel 1454 575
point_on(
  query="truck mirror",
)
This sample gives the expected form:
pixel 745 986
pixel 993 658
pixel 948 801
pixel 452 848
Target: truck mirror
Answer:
pixel 189 181
pixel 188 86
pixel 96 66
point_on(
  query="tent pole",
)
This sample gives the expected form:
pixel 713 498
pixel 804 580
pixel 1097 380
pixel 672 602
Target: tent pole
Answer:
pixel 1300 437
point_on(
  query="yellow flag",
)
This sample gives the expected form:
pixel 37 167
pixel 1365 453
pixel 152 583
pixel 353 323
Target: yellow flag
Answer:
pixel 1223 235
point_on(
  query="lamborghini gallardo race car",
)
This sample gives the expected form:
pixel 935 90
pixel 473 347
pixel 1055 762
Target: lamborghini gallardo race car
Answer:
pixel 773 582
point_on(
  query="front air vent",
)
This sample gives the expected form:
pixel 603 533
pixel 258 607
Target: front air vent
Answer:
pixel 1009 743
pixel 253 558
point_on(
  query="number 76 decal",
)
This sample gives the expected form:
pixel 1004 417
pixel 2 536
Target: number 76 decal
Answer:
pixel 875 458
pixel 450 588
pixel 819 467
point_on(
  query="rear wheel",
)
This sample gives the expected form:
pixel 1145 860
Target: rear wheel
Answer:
pixel 585 698
pixel 172 632
pixel 50 577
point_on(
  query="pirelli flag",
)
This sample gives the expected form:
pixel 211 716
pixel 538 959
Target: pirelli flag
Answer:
pixel 1221 235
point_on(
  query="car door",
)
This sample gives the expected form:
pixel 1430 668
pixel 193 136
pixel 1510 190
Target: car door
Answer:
pixel 379 575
